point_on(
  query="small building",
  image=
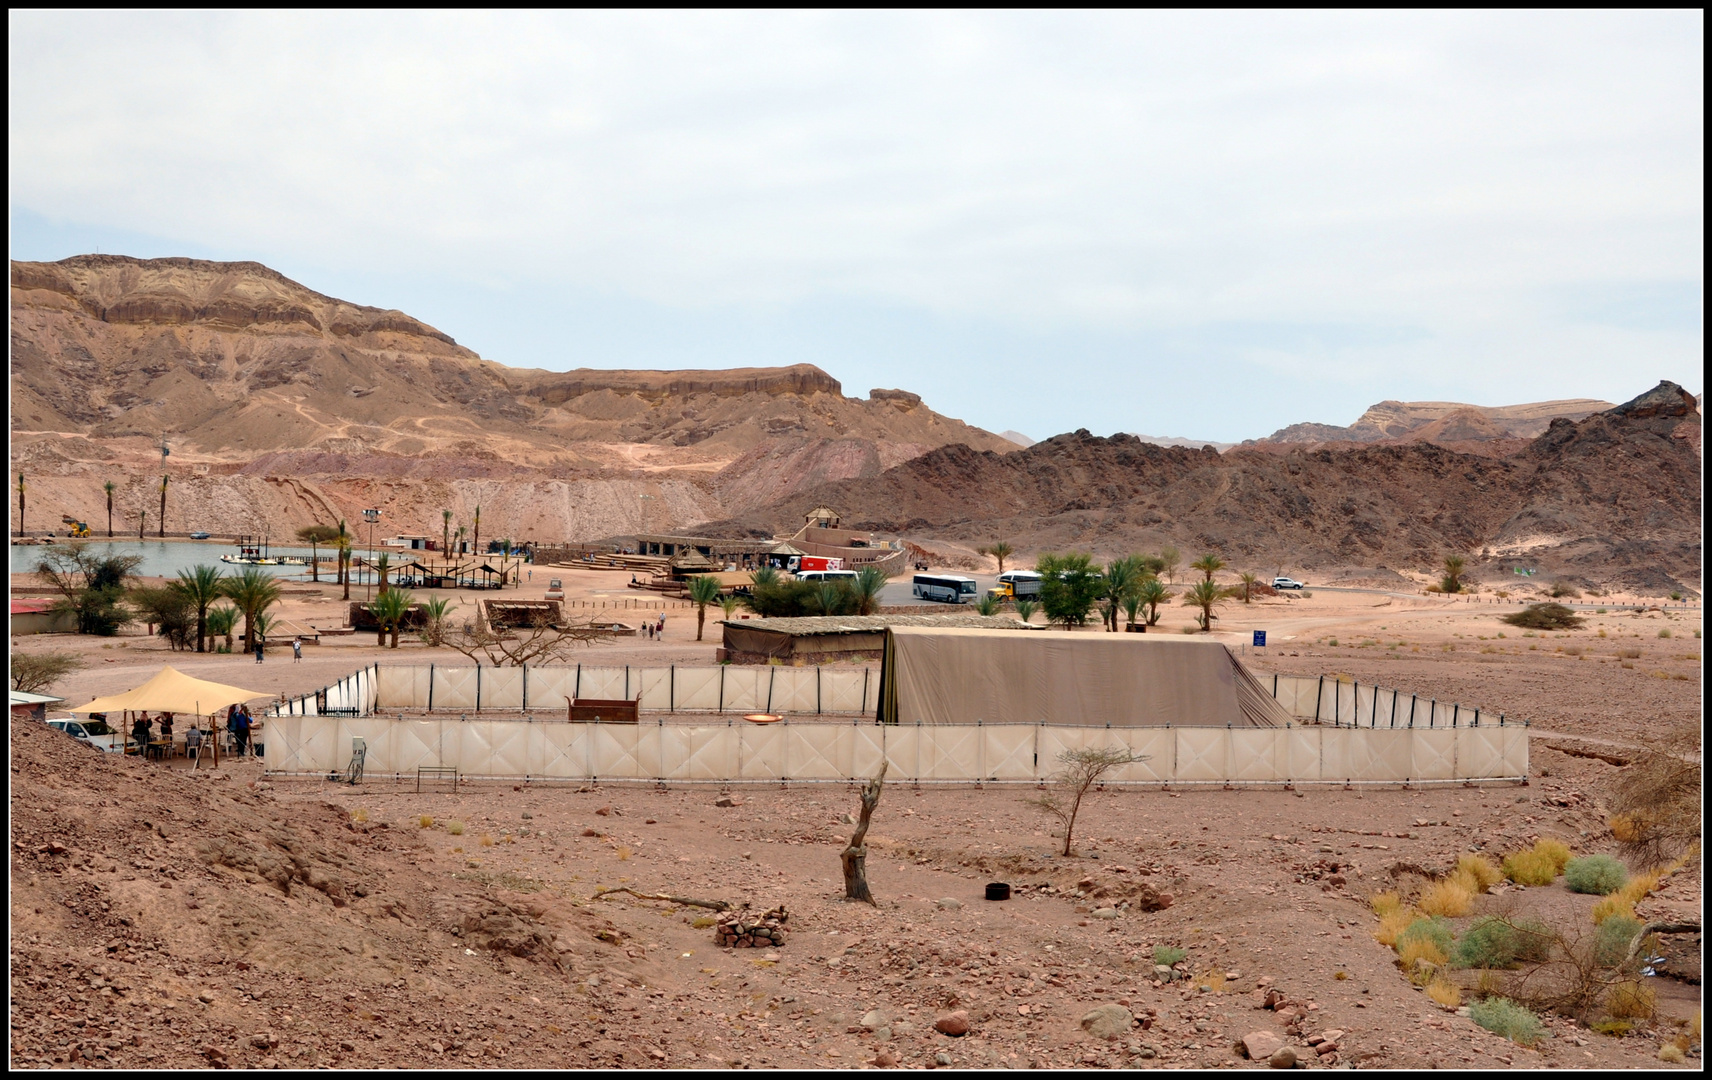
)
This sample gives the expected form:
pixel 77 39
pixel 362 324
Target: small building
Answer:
pixel 409 541
pixel 821 517
pixel 35 615
pixel 32 706
pixel 823 639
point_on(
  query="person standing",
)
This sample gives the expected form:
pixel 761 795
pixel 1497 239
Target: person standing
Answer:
pixel 140 733
pixel 297 650
pixel 166 727
pixel 258 648
pixel 243 732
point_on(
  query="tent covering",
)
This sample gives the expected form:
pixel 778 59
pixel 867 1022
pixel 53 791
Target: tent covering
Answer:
pixel 173 691
pixel 956 676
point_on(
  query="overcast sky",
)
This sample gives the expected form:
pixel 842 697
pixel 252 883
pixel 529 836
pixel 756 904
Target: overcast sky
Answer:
pixel 1198 224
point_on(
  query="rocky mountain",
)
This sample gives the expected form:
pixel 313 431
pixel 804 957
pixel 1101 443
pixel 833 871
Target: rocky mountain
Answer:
pixel 1440 422
pixel 1614 497
pixel 280 404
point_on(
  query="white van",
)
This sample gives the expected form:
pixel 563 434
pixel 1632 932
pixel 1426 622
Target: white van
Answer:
pixel 827 575
pixel 94 733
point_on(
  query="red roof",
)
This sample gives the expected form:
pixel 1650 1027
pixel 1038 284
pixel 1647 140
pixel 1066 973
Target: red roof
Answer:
pixel 31 606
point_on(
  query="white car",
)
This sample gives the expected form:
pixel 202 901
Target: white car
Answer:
pixel 1285 583
pixel 94 733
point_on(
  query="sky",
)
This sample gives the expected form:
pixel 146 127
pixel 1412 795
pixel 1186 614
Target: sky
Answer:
pixel 1197 224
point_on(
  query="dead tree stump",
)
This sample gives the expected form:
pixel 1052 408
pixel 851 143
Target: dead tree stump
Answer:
pixel 855 857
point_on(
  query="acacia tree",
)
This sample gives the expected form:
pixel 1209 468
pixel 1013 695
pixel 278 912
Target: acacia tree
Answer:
pixel 704 590
pixel 91 586
pixel 35 673
pixel 1082 769
pixel 1069 587
pixel 1168 560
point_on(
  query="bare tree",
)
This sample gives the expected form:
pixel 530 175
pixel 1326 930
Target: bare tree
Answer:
pixel 1082 770
pixel 538 641
pixel 35 673
pixel 855 857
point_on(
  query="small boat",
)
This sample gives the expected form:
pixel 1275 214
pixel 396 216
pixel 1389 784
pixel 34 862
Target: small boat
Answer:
pixel 266 560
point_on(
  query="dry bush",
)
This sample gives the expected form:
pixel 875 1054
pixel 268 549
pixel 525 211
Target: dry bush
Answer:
pixel 1640 886
pixel 1600 875
pixel 1444 992
pixel 1544 617
pixel 1672 1053
pixel 1556 849
pixel 1629 1000
pixel 1448 898
pixel 1656 799
pixel 1504 1017
pixel 455 827
pixel 1410 953
pixel 1612 906
pixel 359 815
pixel 1213 981
pixel 1478 873
pixel 1391 926
pixel 1385 903
pixel 1530 868
pixel 425 822
pixel 486 840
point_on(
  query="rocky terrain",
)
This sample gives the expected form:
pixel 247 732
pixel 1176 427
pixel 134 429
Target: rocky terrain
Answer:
pixel 281 404
pixel 1440 422
pixel 1613 498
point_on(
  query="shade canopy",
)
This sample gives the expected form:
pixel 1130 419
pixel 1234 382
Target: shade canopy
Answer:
pixel 173 691
pixel 966 676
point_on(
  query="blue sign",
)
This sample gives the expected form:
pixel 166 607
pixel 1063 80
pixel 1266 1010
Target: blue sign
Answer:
pixel 1260 639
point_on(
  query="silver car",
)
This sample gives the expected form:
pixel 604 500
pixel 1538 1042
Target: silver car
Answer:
pixel 94 733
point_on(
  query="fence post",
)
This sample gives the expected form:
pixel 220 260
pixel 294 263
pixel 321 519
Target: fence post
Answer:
pixel 722 687
pixel 819 673
pixel 1413 698
pixel 772 677
pixel 672 688
pixel 1319 693
pixel 577 689
pixel 430 687
pixel 1393 708
pixel 525 686
pixel 478 686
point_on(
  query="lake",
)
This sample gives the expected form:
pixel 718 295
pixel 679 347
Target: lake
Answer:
pixel 165 558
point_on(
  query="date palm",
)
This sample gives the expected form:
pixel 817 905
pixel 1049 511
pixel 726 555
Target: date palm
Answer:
pixel 1454 565
pixel 1000 550
pixel 1025 609
pixel 704 590
pixel 254 592
pixel 1208 565
pixel 202 585
pixel 383 566
pixel 445 532
pixel 1206 595
pixel 870 581
pixel 1249 581
pixel 389 610
pixel 436 609
pixel 109 487
pixel 1152 593
pixel 221 620
pixel 475 539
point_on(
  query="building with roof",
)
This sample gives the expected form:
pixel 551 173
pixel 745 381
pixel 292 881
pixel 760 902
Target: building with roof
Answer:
pixel 822 639
pixel 32 706
pixel 35 615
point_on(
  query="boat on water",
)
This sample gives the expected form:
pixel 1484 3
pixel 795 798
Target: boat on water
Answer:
pixel 252 551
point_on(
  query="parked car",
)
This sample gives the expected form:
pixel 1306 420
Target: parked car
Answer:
pixel 93 733
pixel 1286 583
pixel 199 536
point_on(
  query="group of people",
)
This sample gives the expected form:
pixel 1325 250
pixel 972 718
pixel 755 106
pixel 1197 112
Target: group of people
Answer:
pixel 239 724
pixel 655 627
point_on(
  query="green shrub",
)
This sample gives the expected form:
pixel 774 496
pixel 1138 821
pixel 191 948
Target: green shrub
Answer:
pixel 1612 939
pixel 1499 943
pixel 1168 955
pixel 1665 632
pixel 1504 1017
pixel 1435 930
pixel 1544 617
pixel 1600 875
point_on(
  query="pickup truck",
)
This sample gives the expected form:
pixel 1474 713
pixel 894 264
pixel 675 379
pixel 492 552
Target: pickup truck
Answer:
pixel 1286 583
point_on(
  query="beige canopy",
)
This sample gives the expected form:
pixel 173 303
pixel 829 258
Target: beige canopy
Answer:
pixel 173 691
pixel 945 676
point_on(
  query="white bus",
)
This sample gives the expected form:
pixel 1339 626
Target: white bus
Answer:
pixel 949 588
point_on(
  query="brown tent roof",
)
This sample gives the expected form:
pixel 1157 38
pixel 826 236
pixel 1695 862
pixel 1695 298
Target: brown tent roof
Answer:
pixel 960 676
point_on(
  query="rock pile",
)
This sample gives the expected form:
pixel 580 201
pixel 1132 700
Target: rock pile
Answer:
pixel 742 930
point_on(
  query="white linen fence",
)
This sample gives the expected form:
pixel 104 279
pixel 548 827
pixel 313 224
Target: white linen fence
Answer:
pixel 821 751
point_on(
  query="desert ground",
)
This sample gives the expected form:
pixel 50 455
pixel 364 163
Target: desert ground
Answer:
pixel 163 918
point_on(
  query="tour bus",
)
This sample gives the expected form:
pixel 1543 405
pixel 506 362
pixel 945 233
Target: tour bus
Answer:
pixel 949 588
pixel 827 575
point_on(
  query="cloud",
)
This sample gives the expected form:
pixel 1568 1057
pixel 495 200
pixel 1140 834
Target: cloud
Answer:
pixel 1040 180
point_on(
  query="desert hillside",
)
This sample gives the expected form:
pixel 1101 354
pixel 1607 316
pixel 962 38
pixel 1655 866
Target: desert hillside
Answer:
pixel 1488 431
pixel 1614 497
pixel 282 405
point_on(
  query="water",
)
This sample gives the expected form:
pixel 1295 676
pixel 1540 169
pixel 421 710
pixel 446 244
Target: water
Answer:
pixel 165 558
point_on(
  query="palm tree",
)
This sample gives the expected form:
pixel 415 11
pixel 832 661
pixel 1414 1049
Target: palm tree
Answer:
pixel 704 590
pixel 1453 568
pixel 1153 592
pixel 987 605
pixel 164 479
pixel 1000 550
pixel 1208 565
pixel 315 536
pixel 829 597
pixel 1206 595
pixel 445 533
pixel 142 520
pixel 870 582
pixel 221 620
pixel 109 487
pixel 1132 605
pixel 729 604
pixel 1249 581
pixel 202 585
pixel 1122 576
pixel 475 538
pixel 768 575
pixel 459 536
pixel 1025 609
pixel 264 626
pixel 254 592
pixel 383 566
pixel 21 505
pixel 343 540
pixel 436 609
pixel 390 609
